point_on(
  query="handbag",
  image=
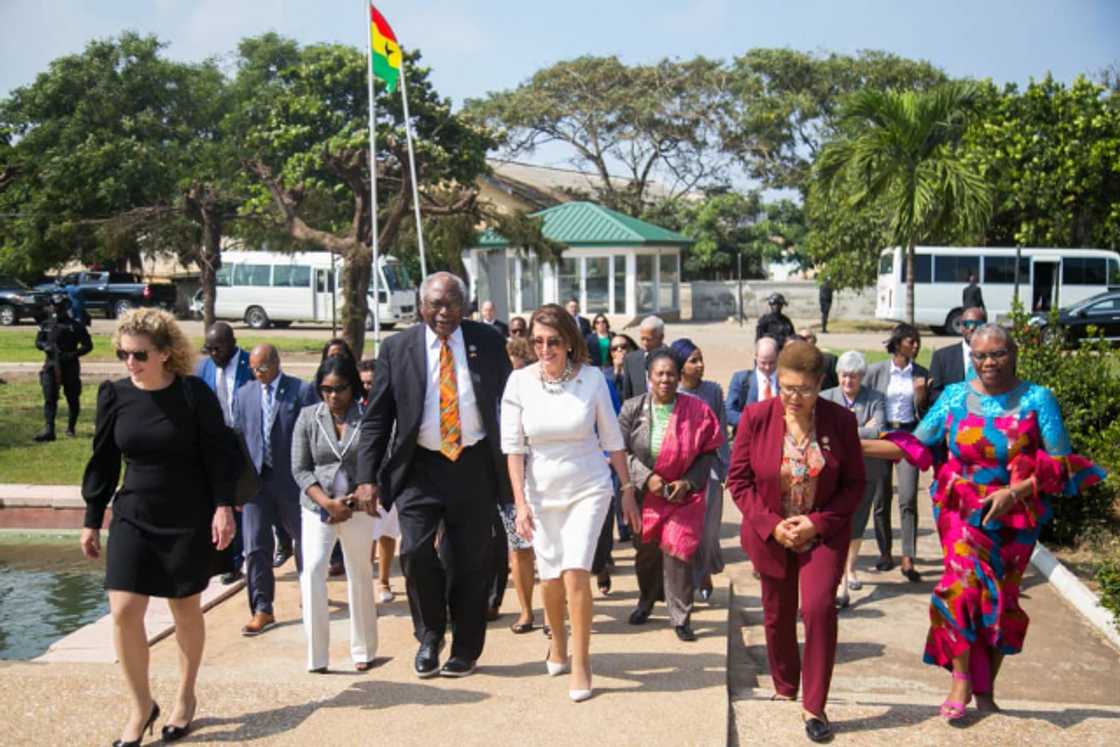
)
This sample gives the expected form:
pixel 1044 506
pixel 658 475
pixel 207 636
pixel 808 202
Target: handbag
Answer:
pixel 246 482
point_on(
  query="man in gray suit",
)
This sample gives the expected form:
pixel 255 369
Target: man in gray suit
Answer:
pixel 869 407
pixel 265 412
pixel 651 336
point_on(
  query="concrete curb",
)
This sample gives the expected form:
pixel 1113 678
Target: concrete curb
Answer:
pixel 1076 593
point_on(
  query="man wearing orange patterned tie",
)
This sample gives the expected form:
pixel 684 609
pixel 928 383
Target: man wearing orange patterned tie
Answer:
pixel 436 398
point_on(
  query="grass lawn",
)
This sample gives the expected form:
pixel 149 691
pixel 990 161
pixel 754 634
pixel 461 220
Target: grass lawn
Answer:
pixel 18 345
pixel 874 356
pixel 21 417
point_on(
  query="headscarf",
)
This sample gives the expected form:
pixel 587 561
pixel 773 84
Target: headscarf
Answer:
pixel 681 350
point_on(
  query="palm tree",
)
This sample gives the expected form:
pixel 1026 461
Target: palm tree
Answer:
pixel 897 150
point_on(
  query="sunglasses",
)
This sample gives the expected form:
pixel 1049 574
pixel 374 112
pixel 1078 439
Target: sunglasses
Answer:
pixel 971 323
pixel 327 389
pixel 139 355
pixel 620 347
pixel 550 342
pixel 516 331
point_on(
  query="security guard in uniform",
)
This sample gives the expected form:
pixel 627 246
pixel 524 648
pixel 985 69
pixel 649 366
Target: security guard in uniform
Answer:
pixel 774 324
pixel 64 340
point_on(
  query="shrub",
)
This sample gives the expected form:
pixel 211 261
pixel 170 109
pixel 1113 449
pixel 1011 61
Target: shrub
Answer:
pixel 1108 577
pixel 1086 382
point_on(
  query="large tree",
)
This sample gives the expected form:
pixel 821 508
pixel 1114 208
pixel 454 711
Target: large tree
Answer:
pixel 626 124
pixel 306 144
pixel 897 151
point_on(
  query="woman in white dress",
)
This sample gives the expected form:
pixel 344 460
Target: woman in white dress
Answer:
pixel 557 420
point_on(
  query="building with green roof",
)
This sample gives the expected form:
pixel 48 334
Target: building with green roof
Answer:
pixel 612 263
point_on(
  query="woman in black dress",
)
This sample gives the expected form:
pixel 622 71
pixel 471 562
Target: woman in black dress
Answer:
pixel 172 516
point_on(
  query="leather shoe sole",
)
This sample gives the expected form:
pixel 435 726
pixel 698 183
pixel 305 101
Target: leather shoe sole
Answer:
pixel 456 667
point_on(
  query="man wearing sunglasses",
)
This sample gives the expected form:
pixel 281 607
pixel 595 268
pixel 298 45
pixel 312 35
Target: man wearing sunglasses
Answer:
pixel 265 412
pixel 952 364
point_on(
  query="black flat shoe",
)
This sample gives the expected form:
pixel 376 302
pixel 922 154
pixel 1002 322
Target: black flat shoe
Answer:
pixel 639 616
pixel 457 666
pixel 427 659
pixel 521 628
pixel 604 583
pixel 884 564
pixel 818 730
pixel 232 577
pixel 281 557
pixel 842 600
pixel 147 727
pixel 705 593
pixel 684 632
pixel 912 575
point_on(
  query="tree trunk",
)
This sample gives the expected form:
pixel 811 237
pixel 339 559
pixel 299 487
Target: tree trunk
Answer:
pixel 209 263
pixel 910 282
pixel 356 268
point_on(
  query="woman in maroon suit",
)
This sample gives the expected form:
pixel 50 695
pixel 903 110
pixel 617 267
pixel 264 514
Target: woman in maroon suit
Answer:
pixel 797 476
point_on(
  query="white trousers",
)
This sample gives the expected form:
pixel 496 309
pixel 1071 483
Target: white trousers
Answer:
pixel 356 536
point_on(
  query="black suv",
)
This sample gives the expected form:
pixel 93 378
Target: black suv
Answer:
pixel 1101 311
pixel 18 301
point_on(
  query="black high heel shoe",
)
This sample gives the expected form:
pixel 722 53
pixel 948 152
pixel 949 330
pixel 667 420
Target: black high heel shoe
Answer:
pixel 147 727
pixel 173 733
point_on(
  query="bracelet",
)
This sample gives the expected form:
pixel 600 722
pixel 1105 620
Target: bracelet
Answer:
pixel 627 486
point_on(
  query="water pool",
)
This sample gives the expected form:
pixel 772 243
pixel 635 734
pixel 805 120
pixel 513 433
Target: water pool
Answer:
pixel 47 591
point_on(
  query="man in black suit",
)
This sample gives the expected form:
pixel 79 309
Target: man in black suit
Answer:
pixel 651 336
pixel 487 315
pixel 952 364
pixel 971 297
pixel 573 309
pixel 439 385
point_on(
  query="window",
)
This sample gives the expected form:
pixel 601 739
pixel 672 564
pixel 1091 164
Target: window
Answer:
pixel 92 278
pixel 1002 270
pixel 568 280
pixel 1113 272
pixel 1107 306
pixel 667 288
pixel 620 283
pixel 291 276
pixel 324 280
pixel 598 285
pixel 955 268
pixel 886 263
pixel 255 275
pixel 922 266
pixel 223 275
pixel 1084 271
pixel 645 282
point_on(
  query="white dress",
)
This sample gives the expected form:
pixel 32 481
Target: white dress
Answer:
pixel 567 476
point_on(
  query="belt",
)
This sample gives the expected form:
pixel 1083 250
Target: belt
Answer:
pixel 896 425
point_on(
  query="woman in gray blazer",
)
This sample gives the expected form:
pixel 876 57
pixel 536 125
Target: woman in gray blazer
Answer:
pixel 324 464
pixel 869 407
pixel 904 383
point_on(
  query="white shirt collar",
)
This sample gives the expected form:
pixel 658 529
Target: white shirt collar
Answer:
pixel 432 339
pixel 903 371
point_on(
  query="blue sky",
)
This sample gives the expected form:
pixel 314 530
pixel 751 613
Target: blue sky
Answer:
pixel 475 46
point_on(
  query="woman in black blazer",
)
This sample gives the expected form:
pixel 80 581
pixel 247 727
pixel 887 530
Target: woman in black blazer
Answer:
pixel 905 384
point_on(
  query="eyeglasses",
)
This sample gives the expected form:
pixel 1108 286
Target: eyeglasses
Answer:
pixel 972 323
pixel 262 369
pixel 139 355
pixel 327 389
pixel 516 331
pixel 995 355
pixel 797 391
pixel 550 342
pixel 619 347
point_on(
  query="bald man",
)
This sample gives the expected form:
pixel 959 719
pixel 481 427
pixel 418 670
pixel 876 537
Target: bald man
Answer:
pixel 265 412
pixel 488 315
pixel 760 383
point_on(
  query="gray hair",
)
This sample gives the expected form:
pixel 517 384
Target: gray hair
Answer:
pixel 851 362
pixel 767 341
pixel 444 276
pixel 653 324
pixel 1002 334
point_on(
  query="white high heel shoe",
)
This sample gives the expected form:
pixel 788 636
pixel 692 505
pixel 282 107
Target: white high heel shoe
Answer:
pixel 578 696
pixel 555 669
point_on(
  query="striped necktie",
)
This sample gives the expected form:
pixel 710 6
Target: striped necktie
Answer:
pixel 450 437
pixel 266 424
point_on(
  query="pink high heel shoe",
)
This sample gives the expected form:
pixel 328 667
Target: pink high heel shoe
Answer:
pixel 952 710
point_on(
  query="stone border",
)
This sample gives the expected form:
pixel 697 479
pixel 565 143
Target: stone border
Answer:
pixel 1076 593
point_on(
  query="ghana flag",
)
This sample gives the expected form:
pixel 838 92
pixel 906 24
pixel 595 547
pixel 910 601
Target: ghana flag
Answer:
pixel 385 53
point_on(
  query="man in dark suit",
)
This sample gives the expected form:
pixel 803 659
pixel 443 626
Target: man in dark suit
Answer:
pixel 265 412
pixel 952 364
pixel 651 337
pixel 831 379
pixel 487 315
pixel 824 296
pixel 971 296
pixel 758 384
pixel 439 385
pixel 225 369
pixel 573 309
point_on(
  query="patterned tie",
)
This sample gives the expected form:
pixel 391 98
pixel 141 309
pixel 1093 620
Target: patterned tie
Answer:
pixel 266 424
pixel 767 392
pixel 450 438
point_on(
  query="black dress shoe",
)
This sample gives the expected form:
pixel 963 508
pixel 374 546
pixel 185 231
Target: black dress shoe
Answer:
pixel 457 666
pixel 912 575
pixel 884 564
pixel 684 632
pixel 818 730
pixel 639 616
pixel 281 556
pixel 705 593
pixel 232 577
pixel 44 437
pixel 427 659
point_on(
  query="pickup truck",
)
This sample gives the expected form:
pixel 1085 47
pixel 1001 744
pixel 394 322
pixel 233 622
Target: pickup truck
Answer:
pixel 114 293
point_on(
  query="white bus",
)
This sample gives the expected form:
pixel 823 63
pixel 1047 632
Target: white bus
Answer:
pixel 266 288
pixel 1047 277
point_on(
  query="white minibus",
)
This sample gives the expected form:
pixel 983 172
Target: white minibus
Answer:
pixel 278 288
pixel 1047 277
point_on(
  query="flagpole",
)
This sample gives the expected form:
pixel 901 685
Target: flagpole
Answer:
pixel 373 184
pixel 412 170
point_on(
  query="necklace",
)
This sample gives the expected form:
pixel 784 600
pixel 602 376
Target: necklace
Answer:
pixel 556 386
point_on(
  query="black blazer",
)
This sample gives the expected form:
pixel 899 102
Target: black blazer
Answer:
pixel 397 400
pixel 945 367
pixel 499 325
pixel 634 376
pixel 584 326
